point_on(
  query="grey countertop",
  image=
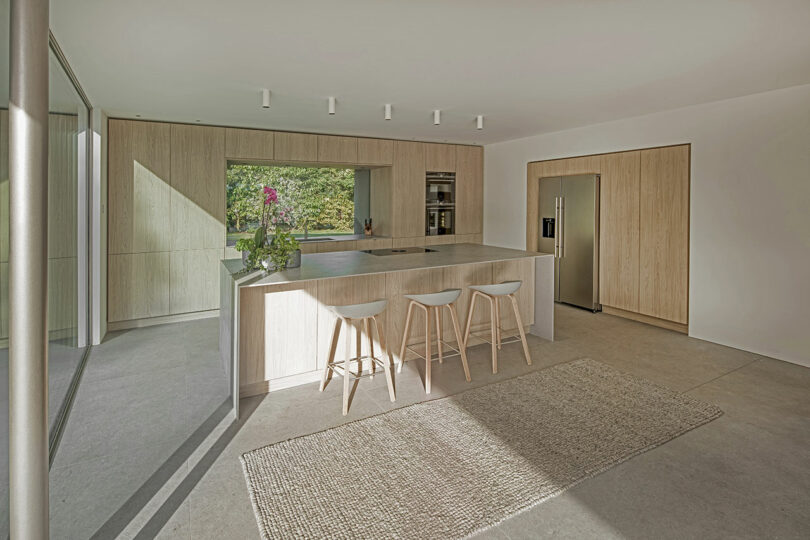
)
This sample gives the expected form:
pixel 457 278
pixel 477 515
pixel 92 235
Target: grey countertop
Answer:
pixel 353 263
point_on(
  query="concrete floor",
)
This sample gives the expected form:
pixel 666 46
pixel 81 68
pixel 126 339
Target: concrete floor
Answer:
pixel 148 451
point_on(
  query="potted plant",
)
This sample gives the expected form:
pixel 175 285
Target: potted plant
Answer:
pixel 272 253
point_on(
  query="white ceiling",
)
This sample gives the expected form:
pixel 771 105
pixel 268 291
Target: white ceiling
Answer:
pixel 527 66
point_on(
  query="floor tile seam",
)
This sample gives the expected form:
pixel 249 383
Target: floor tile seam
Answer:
pixel 747 364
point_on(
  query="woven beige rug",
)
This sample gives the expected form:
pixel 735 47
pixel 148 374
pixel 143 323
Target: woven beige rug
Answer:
pixel 454 466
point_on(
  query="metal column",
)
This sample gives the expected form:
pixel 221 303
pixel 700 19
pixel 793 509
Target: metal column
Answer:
pixel 28 270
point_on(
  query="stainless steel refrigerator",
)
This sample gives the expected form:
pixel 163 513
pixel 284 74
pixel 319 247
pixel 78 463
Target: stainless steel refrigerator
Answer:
pixel 569 228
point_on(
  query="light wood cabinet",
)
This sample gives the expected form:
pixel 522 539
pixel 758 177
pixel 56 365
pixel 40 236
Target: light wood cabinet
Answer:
pixel 248 144
pixel 375 151
pixel 194 280
pixel 373 243
pixel 469 189
pixel 440 157
pixel 332 149
pixel 138 186
pixel 198 187
pixel 295 147
pixel 337 245
pixel 664 233
pixel 619 230
pixel 138 286
pixel 440 240
pixel 570 166
pixel 408 184
pixel 413 241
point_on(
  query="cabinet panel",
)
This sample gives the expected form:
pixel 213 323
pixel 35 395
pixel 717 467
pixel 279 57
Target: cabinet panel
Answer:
pixel 619 230
pixel 469 189
pixel 440 157
pixel 534 171
pixel 375 151
pixel 194 280
pixel 198 187
pixel 440 240
pixel 248 144
pixel 337 245
pixel 333 149
pixel 138 186
pixel 469 238
pixel 413 241
pixel 137 286
pixel 373 243
pixel 408 185
pixel 295 147
pixel 664 233
pixel 571 166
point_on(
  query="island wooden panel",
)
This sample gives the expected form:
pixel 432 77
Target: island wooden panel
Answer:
pixel 516 270
pixel 664 233
pixel 138 186
pixel 138 286
pixel 619 230
pixel 375 151
pixel 469 190
pixel 461 277
pixel 295 147
pixel 440 157
pixel 333 149
pixel 198 194
pixel 408 184
pixel 248 144
pixel 397 285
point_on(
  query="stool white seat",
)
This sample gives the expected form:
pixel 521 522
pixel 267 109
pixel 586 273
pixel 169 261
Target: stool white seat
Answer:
pixel 494 292
pixel 432 304
pixel 367 312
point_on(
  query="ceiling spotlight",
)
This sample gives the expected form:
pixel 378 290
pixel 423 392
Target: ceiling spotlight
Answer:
pixel 331 105
pixel 479 122
pixel 265 98
pixel 437 117
pixel 388 111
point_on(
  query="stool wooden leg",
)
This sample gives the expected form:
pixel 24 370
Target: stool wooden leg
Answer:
pixel 405 336
pixel 469 318
pixel 461 348
pixel 331 356
pixel 520 328
pixel 427 350
pixel 347 374
pixel 370 338
pixel 358 339
pixel 437 311
pixel 497 322
pixel 493 314
pixel 386 359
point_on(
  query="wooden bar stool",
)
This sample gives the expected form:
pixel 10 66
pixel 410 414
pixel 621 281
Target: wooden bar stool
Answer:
pixel 432 304
pixel 367 312
pixel 494 293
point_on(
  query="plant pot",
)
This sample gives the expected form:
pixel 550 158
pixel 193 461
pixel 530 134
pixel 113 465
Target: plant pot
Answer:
pixel 295 259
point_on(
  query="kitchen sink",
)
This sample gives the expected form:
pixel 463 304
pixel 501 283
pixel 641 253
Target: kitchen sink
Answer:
pixel 315 239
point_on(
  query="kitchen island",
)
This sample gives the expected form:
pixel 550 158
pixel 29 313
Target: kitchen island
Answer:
pixel 275 327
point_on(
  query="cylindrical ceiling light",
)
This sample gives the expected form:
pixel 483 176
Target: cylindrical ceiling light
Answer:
pixel 265 98
pixel 331 105
pixel 479 122
pixel 388 111
pixel 437 117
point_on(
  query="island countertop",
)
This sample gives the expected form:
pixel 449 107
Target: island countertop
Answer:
pixel 356 263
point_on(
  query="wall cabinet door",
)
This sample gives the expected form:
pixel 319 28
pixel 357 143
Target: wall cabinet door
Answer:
pixel 248 144
pixel 333 149
pixel 664 233
pixel 469 189
pixel 408 184
pixel 440 157
pixel 295 147
pixel 619 230
pixel 375 151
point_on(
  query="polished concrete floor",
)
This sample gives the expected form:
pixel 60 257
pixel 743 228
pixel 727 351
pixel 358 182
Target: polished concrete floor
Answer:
pixel 149 452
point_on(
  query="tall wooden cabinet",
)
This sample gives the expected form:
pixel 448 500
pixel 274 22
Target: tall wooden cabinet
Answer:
pixel 469 190
pixel 408 188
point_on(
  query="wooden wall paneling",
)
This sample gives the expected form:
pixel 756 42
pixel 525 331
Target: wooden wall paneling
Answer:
pixel 534 171
pixel 137 286
pixel 440 157
pixel 198 187
pixel 518 269
pixel 295 147
pixel 469 189
pixel 334 149
pixel 345 291
pixel 414 241
pixel 194 280
pixel 380 200
pixel 398 284
pixel 248 144
pixel 461 277
pixel 439 240
pixel 375 151
pixel 138 186
pixel 374 243
pixel 340 245
pixel 4 204
pixel 664 233
pixel 619 230
pixel 408 184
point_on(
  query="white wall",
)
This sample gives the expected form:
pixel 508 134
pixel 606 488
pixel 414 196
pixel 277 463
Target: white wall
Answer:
pixel 749 266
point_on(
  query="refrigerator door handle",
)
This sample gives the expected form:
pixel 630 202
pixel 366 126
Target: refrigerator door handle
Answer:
pixel 556 227
pixel 561 249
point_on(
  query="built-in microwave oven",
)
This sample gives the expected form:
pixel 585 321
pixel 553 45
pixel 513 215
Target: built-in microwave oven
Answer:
pixel 439 221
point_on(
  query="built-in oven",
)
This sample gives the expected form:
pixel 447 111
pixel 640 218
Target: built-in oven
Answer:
pixel 440 203
pixel 439 220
